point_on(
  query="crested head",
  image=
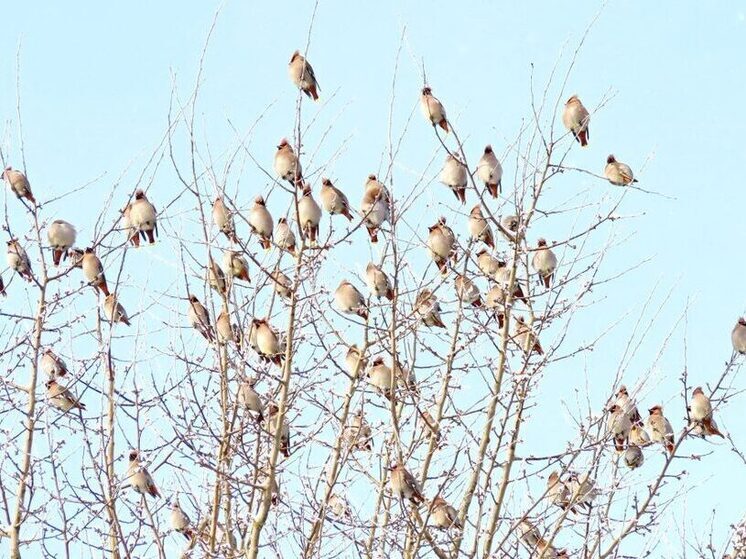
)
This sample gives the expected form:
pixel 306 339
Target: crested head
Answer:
pixel 372 177
pixel 50 383
pixel 573 99
pixel 193 299
pixel 326 182
pixel 306 190
pixel 273 409
pixel 441 220
pixel 139 194
pixel 133 455
pixel 488 148
pixel 554 476
pixel 698 390
pixel 622 391
pixel 614 408
pixel 426 90
pixel 88 250
pixel 283 143
pixel 656 410
pixel 282 220
pixel 296 54
pixel 476 210
pixel 378 360
pixel 259 201
pixel 501 264
pixel 541 242
pixel 611 159
pixel 742 321
pixel 481 252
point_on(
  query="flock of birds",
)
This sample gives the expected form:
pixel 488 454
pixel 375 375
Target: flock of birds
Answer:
pixel 625 425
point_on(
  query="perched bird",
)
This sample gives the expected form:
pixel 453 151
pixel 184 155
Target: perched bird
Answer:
pixel 18 260
pixel 444 515
pixel 618 425
pixel 624 401
pixel 309 213
pixel 378 282
pixel 495 300
pixel 142 217
pixel 375 206
pixel 576 119
pixel 544 262
pixel 487 263
pixel 430 426
pixel 700 412
pixel 426 305
pixel 260 222
pixel 301 73
pixel 618 173
pixel 249 400
pixel 358 435
pixel 529 534
pixel 737 336
pixel 479 229
pixel 284 236
pixel 282 284
pixel 267 341
pixel 61 235
pixel 404 485
pixel 138 477
pixel 502 277
pixel 52 364
pixel 19 184
pixel 638 435
pixel 559 492
pixel 199 318
pixel 490 172
pixel 216 277
pixel 273 488
pixel 236 266
pixel 62 397
pixel 433 109
pixel 526 338
pixel 226 331
pixel 334 200
pixel 93 270
pixel 180 521
pixel 287 165
pixel 510 222
pixel 440 243
pixel 223 218
pixel 273 421
pixel 583 489
pixel 381 376
pixel 339 507
pixel 454 176
pixel 114 311
pixel 467 291
pixel 659 428
pixel 355 361
pixel 633 456
pixel 350 301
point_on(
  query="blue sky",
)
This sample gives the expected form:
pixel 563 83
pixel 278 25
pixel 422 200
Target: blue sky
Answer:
pixel 96 81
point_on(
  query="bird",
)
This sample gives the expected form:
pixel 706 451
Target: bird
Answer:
pixel 301 73
pixel 582 489
pixel 249 400
pixel 267 341
pixel 430 427
pixel 618 425
pixel 339 507
pixel 378 282
pixel 61 235
pixel 426 305
pixel 738 336
pixel 576 118
pixel 260 222
pixel 199 318
pixel 19 184
pixel 495 300
pixel 286 163
pixel 624 401
pixel 375 206
pixel 544 262
pixel 226 331
pixel 216 277
pixel 334 200
pixel 284 236
pixel 433 109
pixel 282 283
pixel 223 218
pixel 235 266
pixel 273 420
pixel 440 243
pixel 380 375
pixel 309 214
pixel 180 521
pixel 52 364
pixel 700 412
pixel 358 434
pixel 525 337
pixel 354 361
pixel 487 263
pixel 350 301
pixel 404 485
pixel 638 435
pixel 490 172
pixel 114 311
pixel 510 223
pixel 454 176
pixel 633 456
pixel 479 228
pixel 93 271
pixel 467 291
pixel 138 477
pixel 618 173
pixel 659 428
pixel 444 515
pixel 558 492
pixel 502 277
pixel 18 260
pixel 62 397
pixel 142 217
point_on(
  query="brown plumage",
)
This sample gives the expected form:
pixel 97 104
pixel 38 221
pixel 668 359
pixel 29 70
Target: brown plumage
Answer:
pixel 404 485
pixel 700 410
pixel 19 184
pixel 433 109
pixel 576 118
pixel 301 73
